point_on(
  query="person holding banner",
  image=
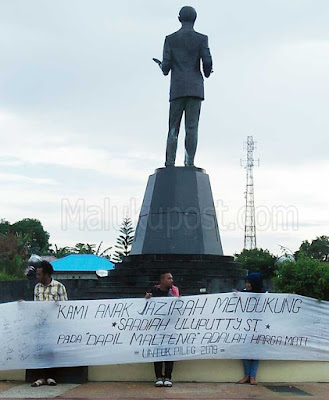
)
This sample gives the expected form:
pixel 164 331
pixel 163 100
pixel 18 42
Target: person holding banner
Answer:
pixel 47 289
pixel 164 289
pixel 254 284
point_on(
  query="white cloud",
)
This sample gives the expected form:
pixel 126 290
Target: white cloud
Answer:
pixel 13 178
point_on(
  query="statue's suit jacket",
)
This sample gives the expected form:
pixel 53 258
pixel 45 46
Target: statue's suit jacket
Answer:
pixel 182 53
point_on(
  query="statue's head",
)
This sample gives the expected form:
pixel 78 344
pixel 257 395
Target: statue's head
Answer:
pixel 187 14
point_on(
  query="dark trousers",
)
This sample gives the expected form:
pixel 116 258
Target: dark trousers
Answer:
pixel 158 369
pixel 191 106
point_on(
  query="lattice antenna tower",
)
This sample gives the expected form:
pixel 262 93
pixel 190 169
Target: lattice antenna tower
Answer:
pixel 250 221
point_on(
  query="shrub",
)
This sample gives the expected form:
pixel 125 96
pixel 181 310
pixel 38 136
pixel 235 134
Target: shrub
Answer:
pixel 6 277
pixel 307 277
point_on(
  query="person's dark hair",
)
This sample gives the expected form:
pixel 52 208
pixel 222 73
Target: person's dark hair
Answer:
pixel 162 274
pixel 46 267
pixel 187 14
pixel 256 281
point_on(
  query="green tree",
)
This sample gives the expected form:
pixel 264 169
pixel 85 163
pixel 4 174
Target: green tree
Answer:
pixel 257 260
pixel 88 248
pixel 4 227
pixel 38 237
pixel 84 248
pixel 60 252
pixel 307 277
pixel 13 256
pixel 317 249
pixel 103 253
pixel 6 277
pixel 124 240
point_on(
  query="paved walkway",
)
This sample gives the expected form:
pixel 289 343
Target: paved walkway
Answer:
pixel 133 391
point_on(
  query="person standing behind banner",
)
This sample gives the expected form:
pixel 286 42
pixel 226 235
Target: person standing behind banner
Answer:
pixel 254 284
pixel 47 289
pixel 164 289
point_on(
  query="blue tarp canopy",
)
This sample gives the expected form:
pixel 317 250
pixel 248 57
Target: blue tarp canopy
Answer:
pixel 82 262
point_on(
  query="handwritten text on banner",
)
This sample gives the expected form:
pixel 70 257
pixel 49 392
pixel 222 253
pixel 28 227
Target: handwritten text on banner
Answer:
pixel 230 325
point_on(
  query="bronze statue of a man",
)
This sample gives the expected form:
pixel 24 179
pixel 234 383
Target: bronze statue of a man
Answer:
pixel 182 53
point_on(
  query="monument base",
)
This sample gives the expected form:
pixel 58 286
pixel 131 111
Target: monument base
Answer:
pixel 193 274
pixel 178 215
pixel 177 232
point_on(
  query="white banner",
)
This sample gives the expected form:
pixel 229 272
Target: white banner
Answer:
pixel 260 326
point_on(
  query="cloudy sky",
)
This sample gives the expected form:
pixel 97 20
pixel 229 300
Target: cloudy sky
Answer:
pixel 84 110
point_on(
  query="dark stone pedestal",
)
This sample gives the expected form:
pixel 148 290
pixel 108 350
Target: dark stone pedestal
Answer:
pixel 177 232
pixel 178 214
pixel 214 274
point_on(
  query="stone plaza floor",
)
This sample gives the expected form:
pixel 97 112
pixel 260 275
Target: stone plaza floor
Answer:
pixel 143 390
